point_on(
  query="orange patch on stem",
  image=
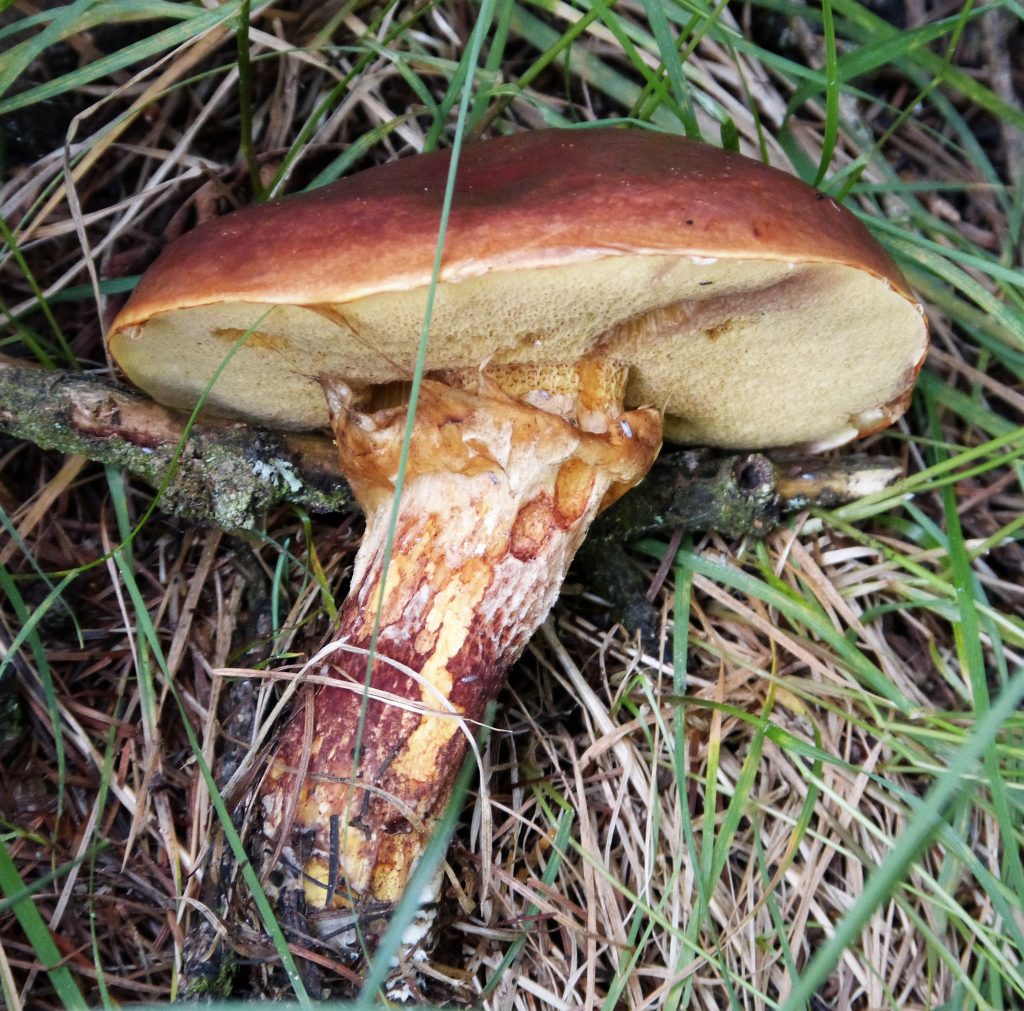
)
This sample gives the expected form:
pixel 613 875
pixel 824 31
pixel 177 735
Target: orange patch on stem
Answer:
pixel 574 488
pixel 533 526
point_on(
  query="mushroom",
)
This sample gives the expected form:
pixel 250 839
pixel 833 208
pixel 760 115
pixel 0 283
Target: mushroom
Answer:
pixel 596 287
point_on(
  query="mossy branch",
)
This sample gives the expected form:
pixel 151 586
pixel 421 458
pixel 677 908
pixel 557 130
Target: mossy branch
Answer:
pixel 223 472
pixel 230 473
pixel 737 494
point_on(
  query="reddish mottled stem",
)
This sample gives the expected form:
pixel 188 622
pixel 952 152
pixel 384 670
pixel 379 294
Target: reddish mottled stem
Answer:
pixel 498 496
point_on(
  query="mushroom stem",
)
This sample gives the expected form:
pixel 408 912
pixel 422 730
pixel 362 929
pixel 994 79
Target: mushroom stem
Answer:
pixel 498 495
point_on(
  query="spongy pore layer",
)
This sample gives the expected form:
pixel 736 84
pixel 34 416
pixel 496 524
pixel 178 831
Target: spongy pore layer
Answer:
pixel 738 352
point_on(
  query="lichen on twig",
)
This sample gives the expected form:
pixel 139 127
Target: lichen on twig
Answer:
pixel 214 471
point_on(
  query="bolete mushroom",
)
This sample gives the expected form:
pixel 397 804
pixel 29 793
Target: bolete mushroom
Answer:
pixel 595 285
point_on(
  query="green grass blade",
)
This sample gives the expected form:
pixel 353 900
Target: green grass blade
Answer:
pixel 39 935
pixel 828 142
pixel 926 822
pixel 156 44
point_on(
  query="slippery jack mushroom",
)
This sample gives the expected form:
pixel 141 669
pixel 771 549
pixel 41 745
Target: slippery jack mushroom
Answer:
pixel 595 285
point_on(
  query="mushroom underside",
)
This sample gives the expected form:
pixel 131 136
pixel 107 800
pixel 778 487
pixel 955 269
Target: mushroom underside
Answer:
pixel 736 353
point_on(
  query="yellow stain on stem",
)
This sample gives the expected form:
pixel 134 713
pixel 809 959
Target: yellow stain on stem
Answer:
pixel 452 615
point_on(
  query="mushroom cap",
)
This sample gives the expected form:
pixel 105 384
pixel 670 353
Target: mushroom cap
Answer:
pixel 750 308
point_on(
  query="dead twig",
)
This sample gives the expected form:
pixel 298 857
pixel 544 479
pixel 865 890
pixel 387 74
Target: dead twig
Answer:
pixel 220 472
